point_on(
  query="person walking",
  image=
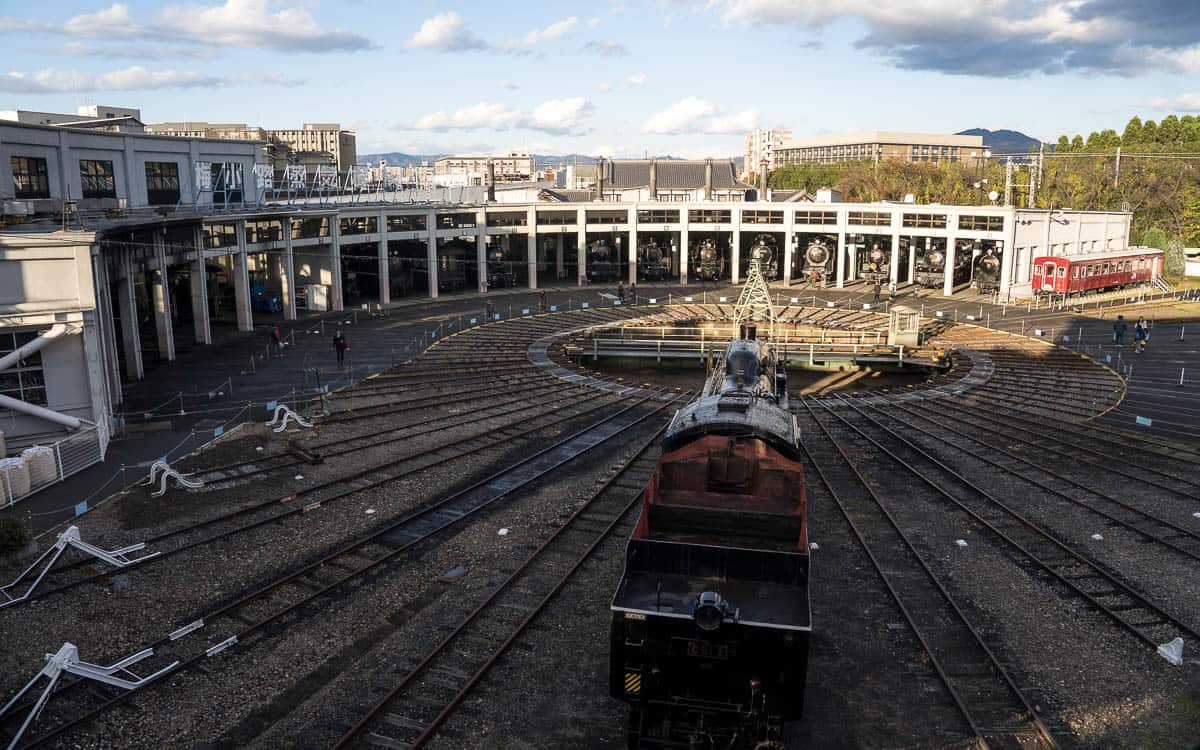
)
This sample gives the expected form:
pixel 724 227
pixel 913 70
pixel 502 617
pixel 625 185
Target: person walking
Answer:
pixel 621 292
pixel 877 288
pixel 276 342
pixel 542 301
pixel 1119 328
pixel 340 346
pixel 1139 335
pixel 892 291
pixel 633 293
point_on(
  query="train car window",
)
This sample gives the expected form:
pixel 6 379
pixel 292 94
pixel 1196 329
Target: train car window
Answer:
pixel 1037 270
pixel 1075 272
pixel 1107 268
pixel 1062 272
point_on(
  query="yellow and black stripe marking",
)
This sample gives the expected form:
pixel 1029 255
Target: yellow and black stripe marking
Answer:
pixel 633 682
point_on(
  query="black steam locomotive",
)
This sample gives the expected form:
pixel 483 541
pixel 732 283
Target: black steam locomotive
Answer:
pixel 499 273
pixel 986 275
pixel 653 263
pixel 818 259
pixel 765 250
pixel 707 260
pixel 876 265
pixel 711 620
pixel 456 266
pixel 931 267
pixel 603 265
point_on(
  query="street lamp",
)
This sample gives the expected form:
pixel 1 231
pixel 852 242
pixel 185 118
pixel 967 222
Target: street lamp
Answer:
pixel 981 186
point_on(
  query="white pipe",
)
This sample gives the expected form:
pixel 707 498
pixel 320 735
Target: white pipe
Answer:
pixel 8 402
pixel 39 343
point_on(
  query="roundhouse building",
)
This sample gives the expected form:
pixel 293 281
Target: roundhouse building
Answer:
pixel 159 268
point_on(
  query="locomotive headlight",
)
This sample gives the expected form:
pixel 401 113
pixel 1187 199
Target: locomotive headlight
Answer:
pixel 710 611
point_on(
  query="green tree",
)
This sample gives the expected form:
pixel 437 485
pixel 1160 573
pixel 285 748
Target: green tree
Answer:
pixel 1133 133
pixel 1174 260
pixel 1155 237
pixel 1149 132
pixel 1077 143
pixel 1169 131
pixel 1063 146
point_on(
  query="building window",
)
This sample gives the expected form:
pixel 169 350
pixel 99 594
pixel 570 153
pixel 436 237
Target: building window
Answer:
pixel 162 182
pixel 97 179
pixel 607 217
pixel 507 219
pixel 925 221
pixel 406 223
pixel 30 178
pixel 869 218
pixel 983 224
pixel 709 216
pixel 358 225
pixel 456 221
pixel 762 217
pixel 25 381
pixel 308 229
pixel 825 218
pixel 658 216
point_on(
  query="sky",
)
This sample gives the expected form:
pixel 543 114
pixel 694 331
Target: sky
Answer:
pixel 609 77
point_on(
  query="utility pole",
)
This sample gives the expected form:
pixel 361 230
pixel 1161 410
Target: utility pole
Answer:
pixel 1036 176
pixel 1008 186
pixel 1117 175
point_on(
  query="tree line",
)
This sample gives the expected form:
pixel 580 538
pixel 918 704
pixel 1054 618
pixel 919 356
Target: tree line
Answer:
pixel 1157 176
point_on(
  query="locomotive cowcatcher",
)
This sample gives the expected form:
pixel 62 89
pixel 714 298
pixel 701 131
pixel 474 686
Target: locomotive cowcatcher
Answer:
pixel 711 619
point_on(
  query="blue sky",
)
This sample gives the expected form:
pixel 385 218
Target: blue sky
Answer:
pixel 616 77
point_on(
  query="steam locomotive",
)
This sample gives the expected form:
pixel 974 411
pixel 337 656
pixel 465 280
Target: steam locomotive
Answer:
pixel 931 268
pixel 499 273
pixel 711 620
pixel 603 265
pixel 818 259
pixel 653 264
pixel 987 270
pixel 765 250
pixel 707 260
pixel 876 266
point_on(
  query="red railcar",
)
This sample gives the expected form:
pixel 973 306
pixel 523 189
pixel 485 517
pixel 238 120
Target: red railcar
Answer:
pixel 1075 274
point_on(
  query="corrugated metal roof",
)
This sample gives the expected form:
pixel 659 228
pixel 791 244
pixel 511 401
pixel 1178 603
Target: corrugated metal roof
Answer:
pixel 626 174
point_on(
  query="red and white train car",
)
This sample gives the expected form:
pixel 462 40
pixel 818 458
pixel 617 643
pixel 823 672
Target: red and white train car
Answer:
pixel 1076 274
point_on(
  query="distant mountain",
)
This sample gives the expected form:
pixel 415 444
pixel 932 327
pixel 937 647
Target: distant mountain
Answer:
pixel 1004 141
pixel 396 158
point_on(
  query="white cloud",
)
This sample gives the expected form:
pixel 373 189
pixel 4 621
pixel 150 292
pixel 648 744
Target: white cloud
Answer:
pixel 569 116
pixel 561 116
pixel 508 85
pixel 635 79
pixel 593 22
pixel 236 23
pixel 1177 103
pixel 605 86
pixel 445 31
pixel 135 78
pixel 683 116
pixel 538 36
pixel 606 49
pixel 734 124
pixel 137 51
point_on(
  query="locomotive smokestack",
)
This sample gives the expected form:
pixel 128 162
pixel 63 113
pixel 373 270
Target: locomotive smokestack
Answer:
pixel 653 180
pixel 708 179
pixel 491 181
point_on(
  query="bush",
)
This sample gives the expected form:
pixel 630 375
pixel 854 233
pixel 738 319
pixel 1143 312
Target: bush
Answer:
pixel 1174 261
pixel 12 535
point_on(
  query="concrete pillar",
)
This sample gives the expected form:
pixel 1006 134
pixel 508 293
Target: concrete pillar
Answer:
pixel 104 319
pixel 337 303
pixel 894 271
pixel 287 272
pixel 789 244
pixel 581 246
pixel 633 245
pixel 841 250
pixel 130 339
pixel 912 258
pixel 531 248
pixel 481 250
pixel 735 245
pixel 160 299
pixel 951 249
pixel 385 281
pixel 683 249
pixel 431 253
pixel 241 282
pixel 560 268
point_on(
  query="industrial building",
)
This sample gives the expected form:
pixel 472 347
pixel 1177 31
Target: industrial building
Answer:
pixel 473 171
pixel 878 145
pixel 314 143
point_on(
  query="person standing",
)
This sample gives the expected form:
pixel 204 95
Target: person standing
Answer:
pixel 542 301
pixel 1119 328
pixel 892 291
pixel 276 342
pixel 877 288
pixel 633 293
pixel 621 292
pixel 340 346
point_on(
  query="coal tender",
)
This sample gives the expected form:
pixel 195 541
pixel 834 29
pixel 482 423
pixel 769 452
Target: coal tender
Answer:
pixel 711 619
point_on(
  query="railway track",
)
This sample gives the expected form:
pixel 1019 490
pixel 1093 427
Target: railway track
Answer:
pixel 187 647
pixel 391 470
pixel 1076 573
pixel 435 684
pixel 993 706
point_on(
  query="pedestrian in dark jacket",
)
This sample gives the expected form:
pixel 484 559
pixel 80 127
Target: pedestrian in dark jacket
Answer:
pixel 877 289
pixel 621 291
pixel 633 293
pixel 340 346
pixel 1119 328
